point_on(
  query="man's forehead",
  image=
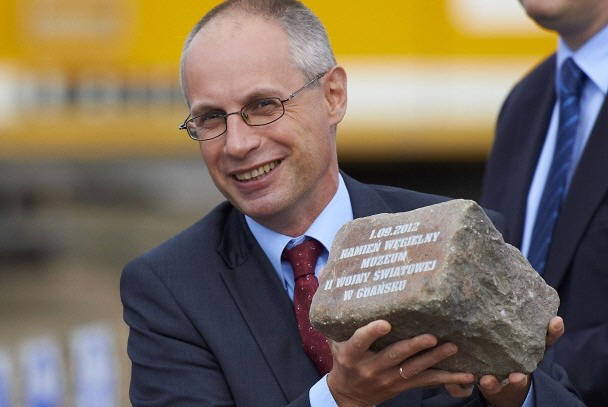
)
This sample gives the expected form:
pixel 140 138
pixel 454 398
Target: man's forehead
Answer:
pixel 237 42
pixel 234 56
pixel 229 21
pixel 243 27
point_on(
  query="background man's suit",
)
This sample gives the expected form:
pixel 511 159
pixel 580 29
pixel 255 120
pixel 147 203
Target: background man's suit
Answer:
pixel 577 262
pixel 212 325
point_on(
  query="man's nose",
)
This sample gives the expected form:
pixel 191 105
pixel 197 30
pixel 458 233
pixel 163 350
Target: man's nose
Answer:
pixel 240 137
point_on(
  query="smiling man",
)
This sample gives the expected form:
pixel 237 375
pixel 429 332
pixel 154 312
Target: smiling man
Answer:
pixel 218 315
pixel 281 174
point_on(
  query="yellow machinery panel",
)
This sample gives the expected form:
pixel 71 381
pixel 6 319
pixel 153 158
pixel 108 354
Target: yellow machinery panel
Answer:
pixel 96 78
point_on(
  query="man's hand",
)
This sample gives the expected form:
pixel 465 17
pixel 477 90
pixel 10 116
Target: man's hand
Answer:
pixel 513 391
pixel 363 378
pixel 555 330
pixel 510 393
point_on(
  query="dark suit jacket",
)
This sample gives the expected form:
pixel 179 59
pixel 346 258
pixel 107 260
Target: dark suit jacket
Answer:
pixel 211 325
pixel 577 262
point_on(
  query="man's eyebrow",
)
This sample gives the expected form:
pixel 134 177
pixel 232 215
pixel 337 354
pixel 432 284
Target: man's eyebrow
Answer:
pixel 262 93
pixel 202 108
pixel 258 93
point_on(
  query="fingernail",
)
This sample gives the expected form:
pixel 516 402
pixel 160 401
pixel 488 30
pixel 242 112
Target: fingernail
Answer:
pixel 430 340
pixel 385 328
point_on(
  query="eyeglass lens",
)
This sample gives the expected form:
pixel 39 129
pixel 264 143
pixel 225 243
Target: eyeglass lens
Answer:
pixel 257 113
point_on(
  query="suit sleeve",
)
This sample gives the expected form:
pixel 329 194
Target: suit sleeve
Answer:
pixel 583 353
pixel 494 172
pixel 171 365
pixel 552 386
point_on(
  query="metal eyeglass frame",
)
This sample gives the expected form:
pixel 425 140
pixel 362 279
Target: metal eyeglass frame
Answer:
pixel 243 115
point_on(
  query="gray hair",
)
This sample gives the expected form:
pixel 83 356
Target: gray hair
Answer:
pixel 310 48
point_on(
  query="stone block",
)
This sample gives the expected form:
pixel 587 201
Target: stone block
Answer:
pixel 444 270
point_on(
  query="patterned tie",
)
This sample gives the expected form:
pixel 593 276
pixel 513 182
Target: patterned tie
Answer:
pixel 303 259
pixel 572 80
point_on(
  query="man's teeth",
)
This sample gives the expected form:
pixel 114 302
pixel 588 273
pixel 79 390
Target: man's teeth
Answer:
pixel 257 172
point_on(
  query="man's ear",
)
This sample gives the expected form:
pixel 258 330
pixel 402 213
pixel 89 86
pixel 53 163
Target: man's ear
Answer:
pixel 334 87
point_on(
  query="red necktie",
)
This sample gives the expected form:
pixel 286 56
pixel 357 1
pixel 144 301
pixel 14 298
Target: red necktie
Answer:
pixel 303 259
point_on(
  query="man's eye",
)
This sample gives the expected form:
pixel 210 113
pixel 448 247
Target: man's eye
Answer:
pixel 265 102
pixel 264 106
pixel 212 115
pixel 207 116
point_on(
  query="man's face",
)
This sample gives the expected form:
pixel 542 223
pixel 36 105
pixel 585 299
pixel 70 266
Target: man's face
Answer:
pixel 280 173
pixel 568 17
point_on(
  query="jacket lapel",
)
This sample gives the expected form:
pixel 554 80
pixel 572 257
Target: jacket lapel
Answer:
pixel 364 200
pixel 531 133
pixel 586 192
pixel 265 307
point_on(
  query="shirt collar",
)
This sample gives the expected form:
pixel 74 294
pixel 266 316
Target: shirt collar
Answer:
pixel 324 228
pixel 592 58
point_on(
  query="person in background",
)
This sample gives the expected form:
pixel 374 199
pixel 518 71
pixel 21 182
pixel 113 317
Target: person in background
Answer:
pixel 218 315
pixel 548 175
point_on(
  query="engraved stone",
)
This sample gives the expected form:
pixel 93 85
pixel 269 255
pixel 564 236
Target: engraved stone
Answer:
pixel 444 270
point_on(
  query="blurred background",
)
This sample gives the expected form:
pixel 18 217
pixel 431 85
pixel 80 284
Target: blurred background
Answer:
pixel 93 170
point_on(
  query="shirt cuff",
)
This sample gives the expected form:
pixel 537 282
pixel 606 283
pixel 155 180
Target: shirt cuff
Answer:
pixel 320 396
pixel 529 401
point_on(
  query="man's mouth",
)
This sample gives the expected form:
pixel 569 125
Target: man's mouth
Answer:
pixel 257 173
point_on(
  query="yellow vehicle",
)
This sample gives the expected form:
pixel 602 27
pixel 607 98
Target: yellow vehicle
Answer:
pixel 99 78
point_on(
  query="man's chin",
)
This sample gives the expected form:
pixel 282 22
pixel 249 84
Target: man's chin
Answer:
pixel 260 211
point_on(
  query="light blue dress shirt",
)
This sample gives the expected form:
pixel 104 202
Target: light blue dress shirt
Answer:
pixel 592 58
pixel 337 212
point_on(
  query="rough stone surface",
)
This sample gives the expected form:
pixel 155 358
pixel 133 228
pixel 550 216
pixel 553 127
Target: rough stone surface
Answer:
pixel 445 270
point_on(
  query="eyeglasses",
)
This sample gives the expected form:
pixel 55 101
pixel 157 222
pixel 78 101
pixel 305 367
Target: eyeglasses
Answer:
pixel 260 112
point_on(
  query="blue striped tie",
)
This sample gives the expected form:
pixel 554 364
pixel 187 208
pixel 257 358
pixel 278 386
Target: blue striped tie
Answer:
pixel 572 80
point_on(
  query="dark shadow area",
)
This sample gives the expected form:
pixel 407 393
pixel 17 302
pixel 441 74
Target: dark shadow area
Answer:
pixel 454 179
pixel 108 211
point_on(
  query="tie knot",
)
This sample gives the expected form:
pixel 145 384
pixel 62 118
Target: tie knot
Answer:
pixel 572 78
pixel 303 257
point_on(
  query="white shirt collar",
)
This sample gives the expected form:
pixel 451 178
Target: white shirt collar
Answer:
pixel 324 228
pixel 592 58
